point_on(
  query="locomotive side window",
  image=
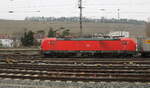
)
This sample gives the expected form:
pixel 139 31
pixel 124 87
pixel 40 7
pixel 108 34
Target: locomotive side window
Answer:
pixel 52 42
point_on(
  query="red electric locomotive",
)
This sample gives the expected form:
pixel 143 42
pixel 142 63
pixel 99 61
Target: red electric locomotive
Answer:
pixel 88 46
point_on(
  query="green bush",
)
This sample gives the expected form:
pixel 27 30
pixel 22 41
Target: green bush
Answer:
pixel 28 39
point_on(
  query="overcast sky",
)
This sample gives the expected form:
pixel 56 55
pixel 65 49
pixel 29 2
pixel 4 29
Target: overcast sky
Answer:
pixel 135 9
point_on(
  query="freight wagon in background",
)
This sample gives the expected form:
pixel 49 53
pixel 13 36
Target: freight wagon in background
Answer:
pixel 143 46
pixel 89 47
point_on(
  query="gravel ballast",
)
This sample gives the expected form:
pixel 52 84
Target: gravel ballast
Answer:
pixel 16 83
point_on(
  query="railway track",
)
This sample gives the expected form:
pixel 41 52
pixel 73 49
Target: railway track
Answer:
pixel 15 52
pixel 82 62
pixel 34 66
pixel 76 73
pixel 37 59
pixel 77 76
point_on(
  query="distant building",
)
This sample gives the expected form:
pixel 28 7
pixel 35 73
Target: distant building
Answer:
pixel 6 41
pixel 119 34
pixel 4 36
pixel 17 43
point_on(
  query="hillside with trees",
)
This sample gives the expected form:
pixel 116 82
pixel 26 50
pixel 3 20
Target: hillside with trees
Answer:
pixel 16 28
pixel 76 19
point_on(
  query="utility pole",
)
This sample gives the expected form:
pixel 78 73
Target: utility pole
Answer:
pixel 81 26
pixel 119 26
pixel 118 13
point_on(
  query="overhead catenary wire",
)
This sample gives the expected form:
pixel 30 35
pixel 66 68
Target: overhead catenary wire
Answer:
pixel 90 10
pixel 64 5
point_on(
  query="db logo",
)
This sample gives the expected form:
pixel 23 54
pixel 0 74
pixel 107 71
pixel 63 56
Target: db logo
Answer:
pixel 88 45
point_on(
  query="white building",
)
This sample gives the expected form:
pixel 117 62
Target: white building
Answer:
pixel 6 42
pixel 119 33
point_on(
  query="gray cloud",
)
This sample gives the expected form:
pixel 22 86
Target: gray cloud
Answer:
pixel 135 9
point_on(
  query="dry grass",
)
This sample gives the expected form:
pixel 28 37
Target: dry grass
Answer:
pixel 10 27
pixel 148 29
